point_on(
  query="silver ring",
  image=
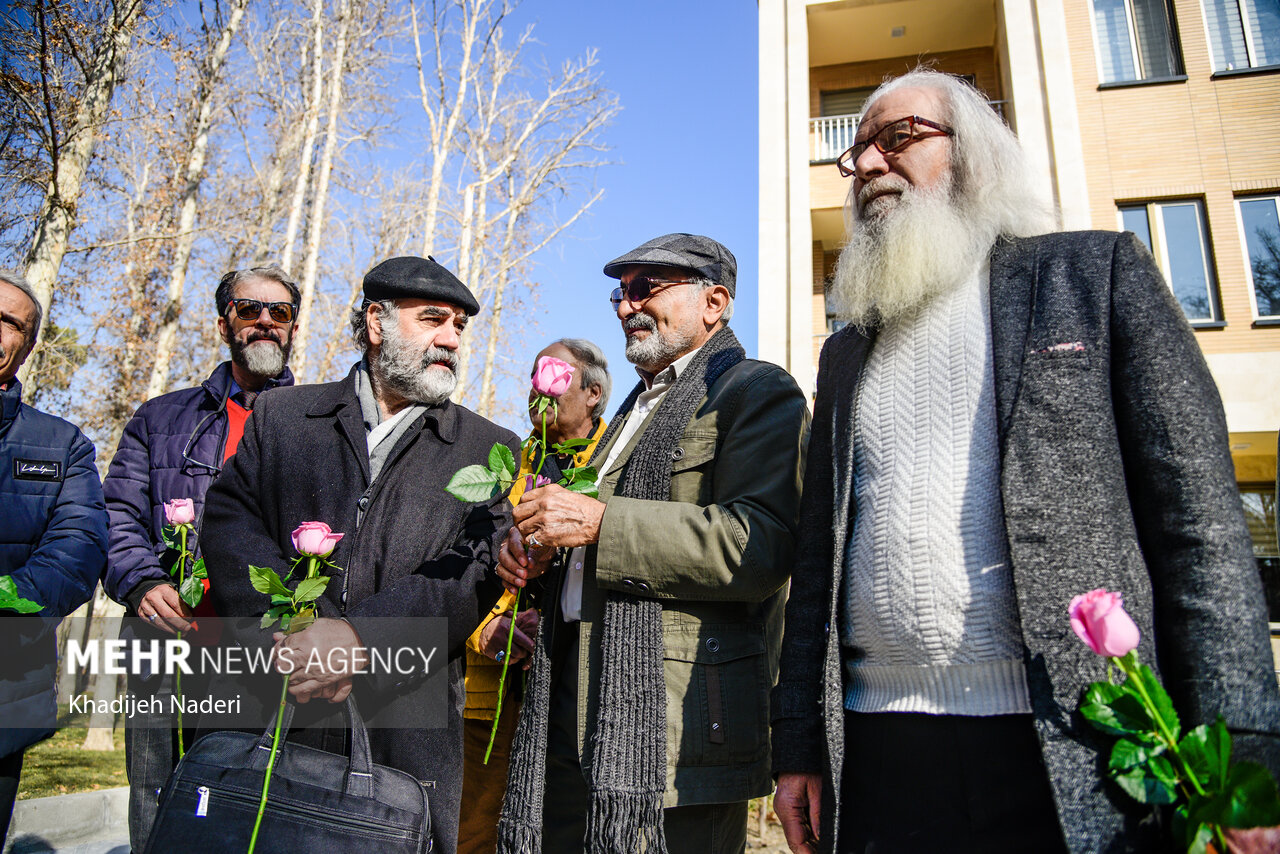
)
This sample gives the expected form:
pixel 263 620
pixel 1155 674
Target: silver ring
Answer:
pixel 533 541
pixel 152 618
pixel 502 653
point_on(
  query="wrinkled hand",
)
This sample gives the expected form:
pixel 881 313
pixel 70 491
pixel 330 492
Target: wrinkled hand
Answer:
pixel 560 518
pixel 493 637
pixel 322 658
pixel 171 613
pixel 798 803
pixel 1254 840
pixel 517 568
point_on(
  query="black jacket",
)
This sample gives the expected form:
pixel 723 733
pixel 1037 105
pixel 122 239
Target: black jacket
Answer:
pixel 53 543
pixel 418 552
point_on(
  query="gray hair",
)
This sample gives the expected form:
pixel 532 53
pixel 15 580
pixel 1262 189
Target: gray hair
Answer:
pixel 222 294
pixel 991 176
pixel 360 323
pixel 703 283
pixel 19 282
pixel 595 370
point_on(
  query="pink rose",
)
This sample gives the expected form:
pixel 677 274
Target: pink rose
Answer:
pixel 314 539
pixel 552 376
pixel 530 483
pixel 1098 618
pixel 180 511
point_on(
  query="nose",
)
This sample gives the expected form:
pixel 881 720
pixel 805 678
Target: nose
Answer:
pixel 625 308
pixel 448 338
pixel 870 163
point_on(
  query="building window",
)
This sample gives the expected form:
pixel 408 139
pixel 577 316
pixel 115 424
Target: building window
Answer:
pixel 1136 40
pixel 1175 233
pixel 1243 33
pixel 1260 514
pixel 1260 222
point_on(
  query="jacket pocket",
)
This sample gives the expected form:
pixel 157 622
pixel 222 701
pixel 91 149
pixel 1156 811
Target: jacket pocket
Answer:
pixel 691 461
pixel 717 694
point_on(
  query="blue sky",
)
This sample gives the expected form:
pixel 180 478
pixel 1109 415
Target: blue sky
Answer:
pixel 684 149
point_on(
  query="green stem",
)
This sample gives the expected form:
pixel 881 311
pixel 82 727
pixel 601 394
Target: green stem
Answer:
pixel 515 609
pixel 271 764
pixel 1170 742
pixel 177 676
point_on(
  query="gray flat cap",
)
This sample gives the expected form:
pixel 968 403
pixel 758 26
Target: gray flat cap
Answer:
pixel 709 258
pixel 424 278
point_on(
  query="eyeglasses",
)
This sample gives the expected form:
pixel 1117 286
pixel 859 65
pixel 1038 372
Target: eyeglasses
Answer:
pixel 641 288
pixel 894 136
pixel 251 309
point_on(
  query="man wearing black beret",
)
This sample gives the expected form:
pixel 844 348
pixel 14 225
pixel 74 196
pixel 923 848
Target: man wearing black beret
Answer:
pixel 370 456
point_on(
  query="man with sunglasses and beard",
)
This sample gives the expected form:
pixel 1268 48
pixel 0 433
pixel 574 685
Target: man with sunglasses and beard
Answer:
pixel 173 447
pixel 370 456
pixel 646 717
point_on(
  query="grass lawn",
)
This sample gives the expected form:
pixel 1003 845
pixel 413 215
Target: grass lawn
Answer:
pixel 59 767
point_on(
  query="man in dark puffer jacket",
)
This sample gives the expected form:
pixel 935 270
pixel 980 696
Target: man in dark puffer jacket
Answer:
pixel 174 447
pixel 53 539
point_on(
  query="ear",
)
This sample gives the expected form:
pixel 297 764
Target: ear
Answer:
pixel 373 322
pixel 715 300
pixel 224 329
pixel 593 397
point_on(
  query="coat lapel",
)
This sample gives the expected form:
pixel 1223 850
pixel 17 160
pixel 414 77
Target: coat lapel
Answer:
pixel 340 401
pixel 851 357
pixel 1012 296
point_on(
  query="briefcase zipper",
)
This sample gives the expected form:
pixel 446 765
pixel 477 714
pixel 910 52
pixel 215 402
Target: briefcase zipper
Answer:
pixel 316 816
pixel 202 806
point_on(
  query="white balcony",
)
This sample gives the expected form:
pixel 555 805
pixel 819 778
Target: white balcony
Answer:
pixel 829 136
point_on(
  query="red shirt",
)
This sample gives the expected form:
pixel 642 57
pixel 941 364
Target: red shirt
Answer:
pixel 236 416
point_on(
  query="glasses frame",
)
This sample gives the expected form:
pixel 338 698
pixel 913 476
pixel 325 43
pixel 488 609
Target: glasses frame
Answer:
pixel 853 152
pixel 624 291
pixel 234 304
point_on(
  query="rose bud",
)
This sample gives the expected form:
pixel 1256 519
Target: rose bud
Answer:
pixel 180 511
pixel 1098 618
pixel 552 376
pixel 314 539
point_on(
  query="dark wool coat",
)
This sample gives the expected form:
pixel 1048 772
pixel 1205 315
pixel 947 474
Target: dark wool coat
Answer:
pixel 1115 473
pixel 53 542
pixel 417 553
pixel 171 448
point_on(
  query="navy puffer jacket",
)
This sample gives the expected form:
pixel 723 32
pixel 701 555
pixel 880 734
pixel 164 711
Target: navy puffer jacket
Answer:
pixel 53 543
pixel 171 448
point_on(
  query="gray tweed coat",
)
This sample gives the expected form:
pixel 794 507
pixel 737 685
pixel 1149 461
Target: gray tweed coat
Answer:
pixel 1115 474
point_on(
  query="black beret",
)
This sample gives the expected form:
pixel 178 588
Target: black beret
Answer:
pixel 422 278
pixel 709 258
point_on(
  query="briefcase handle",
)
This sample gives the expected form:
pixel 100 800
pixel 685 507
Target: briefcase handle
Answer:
pixel 359 771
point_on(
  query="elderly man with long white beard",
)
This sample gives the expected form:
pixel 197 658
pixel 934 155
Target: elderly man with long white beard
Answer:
pixel 1013 417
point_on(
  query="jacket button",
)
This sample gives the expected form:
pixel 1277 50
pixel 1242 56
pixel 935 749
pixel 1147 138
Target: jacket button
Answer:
pixel 364 503
pixel 713 645
pixel 627 582
pixel 677 454
pixel 642 587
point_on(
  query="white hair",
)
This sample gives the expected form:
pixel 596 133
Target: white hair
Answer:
pixel 933 238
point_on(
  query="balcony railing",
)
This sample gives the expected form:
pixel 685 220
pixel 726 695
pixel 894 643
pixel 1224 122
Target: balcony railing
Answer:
pixel 829 136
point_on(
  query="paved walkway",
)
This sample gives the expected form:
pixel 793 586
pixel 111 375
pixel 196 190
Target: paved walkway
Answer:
pixel 84 823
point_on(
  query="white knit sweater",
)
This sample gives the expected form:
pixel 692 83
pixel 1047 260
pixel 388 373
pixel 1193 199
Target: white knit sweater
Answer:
pixel 931 622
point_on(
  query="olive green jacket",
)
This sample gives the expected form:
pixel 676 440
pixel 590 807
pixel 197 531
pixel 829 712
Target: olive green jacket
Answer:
pixel 718 555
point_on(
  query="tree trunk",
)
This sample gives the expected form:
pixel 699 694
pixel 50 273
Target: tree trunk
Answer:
pixel 464 274
pixel 167 332
pixel 485 406
pixel 308 283
pixel 70 163
pixel 105 685
pixel 309 138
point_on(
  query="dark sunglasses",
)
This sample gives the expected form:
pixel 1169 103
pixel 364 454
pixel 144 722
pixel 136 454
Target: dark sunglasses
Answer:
pixel 641 288
pixel 251 309
pixel 896 135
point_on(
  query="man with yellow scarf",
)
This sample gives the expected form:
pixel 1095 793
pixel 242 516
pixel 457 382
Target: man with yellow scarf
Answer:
pixel 579 414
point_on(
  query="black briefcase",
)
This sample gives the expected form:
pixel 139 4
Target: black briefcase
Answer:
pixel 318 803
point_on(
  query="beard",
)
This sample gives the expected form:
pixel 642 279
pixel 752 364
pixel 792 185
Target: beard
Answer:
pixel 263 355
pixel 412 373
pixel 903 252
pixel 657 348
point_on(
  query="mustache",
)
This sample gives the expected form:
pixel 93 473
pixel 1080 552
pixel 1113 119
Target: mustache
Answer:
pixel 264 335
pixel 432 355
pixel 640 320
pixel 884 183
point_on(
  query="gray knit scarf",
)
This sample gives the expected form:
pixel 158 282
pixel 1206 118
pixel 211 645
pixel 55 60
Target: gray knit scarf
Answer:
pixel 629 747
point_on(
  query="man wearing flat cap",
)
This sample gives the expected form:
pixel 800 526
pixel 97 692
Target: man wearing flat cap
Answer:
pixel 370 456
pixel 646 713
